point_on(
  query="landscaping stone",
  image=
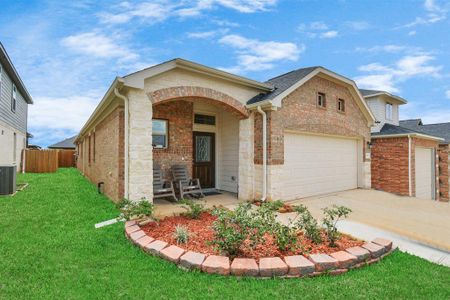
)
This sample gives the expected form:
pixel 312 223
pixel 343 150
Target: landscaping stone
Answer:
pixel 374 249
pixel 215 264
pixel 129 223
pixel 172 253
pixel 192 260
pixel 155 247
pixel 387 244
pixel 323 262
pixel 345 260
pixel 244 267
pixel 360 253
pixel 272 266
pixel 129 230
pixel 144 241
pixel 137 235
pixel 299 265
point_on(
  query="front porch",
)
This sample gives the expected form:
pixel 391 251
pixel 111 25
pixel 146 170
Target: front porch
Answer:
pixel 164 208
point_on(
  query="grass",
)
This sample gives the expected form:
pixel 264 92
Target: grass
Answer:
pixel 50 249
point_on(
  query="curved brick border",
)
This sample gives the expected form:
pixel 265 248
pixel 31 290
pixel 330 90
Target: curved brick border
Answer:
pixel 207 94
pixel 292 266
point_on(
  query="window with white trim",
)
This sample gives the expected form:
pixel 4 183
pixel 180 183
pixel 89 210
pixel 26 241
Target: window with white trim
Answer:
pixel 13 98
pixel 341 105
pixel 160 130
pixel 388 111
pixel 321 100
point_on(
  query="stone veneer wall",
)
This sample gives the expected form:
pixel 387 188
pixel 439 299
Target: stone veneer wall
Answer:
pixel 180 145
pixel 107 155
pixel 443 152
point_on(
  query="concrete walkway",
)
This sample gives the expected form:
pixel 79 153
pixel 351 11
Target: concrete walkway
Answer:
pixel 424 221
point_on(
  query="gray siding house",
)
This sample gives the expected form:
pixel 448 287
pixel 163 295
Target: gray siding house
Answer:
pixel 14 100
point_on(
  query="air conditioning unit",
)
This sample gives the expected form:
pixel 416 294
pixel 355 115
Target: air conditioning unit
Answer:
pixel 7 180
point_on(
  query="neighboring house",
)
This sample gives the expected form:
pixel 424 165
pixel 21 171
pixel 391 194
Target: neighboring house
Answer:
pixel 67 144
pixel 405 159
pixel 14 100
pixel 180 112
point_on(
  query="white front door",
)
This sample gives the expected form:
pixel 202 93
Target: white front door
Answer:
pixel 316 165
pixel 424 173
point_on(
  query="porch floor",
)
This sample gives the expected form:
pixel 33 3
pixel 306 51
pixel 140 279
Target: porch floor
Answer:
pixel 164 208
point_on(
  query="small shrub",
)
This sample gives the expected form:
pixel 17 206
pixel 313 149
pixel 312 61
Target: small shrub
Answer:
pixel 332 216
pixel 134 210
pixel 193 209
pixel 232 228
pixel 285 236
pixel 308 224
pixel 181 234
pixel 273 205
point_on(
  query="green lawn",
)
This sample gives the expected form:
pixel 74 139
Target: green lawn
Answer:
pixel 50 249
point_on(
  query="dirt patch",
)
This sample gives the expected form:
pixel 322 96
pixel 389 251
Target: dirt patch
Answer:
pixel 201 235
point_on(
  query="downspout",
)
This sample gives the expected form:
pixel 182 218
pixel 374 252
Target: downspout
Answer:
pixel 126 146
pixel 264 134
pixel 409 166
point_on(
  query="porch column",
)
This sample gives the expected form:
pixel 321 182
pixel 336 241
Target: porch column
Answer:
pixel 140 147
pixel 246 156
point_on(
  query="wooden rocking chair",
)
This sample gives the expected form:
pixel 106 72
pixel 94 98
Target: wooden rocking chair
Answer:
pixel 186 185
pixel 162 188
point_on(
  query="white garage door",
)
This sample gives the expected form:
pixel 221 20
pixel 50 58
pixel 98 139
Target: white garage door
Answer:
pixel 317 165
pixel 424 173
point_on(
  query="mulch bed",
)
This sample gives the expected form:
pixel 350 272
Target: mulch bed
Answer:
pixel 202 233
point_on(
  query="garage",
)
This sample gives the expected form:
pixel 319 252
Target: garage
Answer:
pixel 316 165
pixel 424 172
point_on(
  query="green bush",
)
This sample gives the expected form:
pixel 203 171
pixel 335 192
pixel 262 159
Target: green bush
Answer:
pixel 193 209
pixel 134 210
pixel 308 224
pixel 232 228
pixel 181 234
pixel 332 216
pixel 273 205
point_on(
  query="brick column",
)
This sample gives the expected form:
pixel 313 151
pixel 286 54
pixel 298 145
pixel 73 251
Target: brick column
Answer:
pixel 443 151
pixel 140 146
pixel 246 157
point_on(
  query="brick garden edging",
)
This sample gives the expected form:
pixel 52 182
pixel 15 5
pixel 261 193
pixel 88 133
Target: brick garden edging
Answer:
pixel 291 266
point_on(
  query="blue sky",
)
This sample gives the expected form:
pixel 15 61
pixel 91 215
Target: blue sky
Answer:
pixel 69 52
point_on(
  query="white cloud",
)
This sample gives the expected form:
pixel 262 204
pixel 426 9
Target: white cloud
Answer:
pixel 387 77
pixel 412 33
pixel 447 94
pixel 358 25
pixel 98 45
pixel 329 34
pixel 255 55
pixel 435 13
pixel 70 113
pixel 206 34
pixel 391 48
pixel 317 29
pixel 160 10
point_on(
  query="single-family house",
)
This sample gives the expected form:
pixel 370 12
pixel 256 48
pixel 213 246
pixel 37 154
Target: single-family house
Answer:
pixel 406 158
pixel 303 133
pixel 14 100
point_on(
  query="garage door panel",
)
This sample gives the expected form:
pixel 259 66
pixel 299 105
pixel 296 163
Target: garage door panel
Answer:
pixel 317 165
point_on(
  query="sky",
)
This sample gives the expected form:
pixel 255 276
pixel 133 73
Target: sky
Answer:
pixel 69 52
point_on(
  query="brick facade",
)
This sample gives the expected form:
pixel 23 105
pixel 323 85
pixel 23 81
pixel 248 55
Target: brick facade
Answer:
pixel 179 115
pixel 208 95
pixel 390 165
pixel 106 163
pixel 299 112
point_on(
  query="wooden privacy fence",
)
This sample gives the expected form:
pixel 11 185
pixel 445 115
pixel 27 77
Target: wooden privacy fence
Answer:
pixel 41 161
pixel 48 161
pixel 66 158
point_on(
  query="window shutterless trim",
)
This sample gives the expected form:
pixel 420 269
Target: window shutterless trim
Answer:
pixel 324 100
pixel 343 110
pixel 166 134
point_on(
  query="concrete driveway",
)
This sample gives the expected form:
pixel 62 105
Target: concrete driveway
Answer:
pixel 425 221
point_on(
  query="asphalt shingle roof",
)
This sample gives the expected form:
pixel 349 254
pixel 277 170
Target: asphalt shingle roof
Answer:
pixel 365 92
pixel 65 144
pixel 282 83
pixel 441 130
pixel 389 129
